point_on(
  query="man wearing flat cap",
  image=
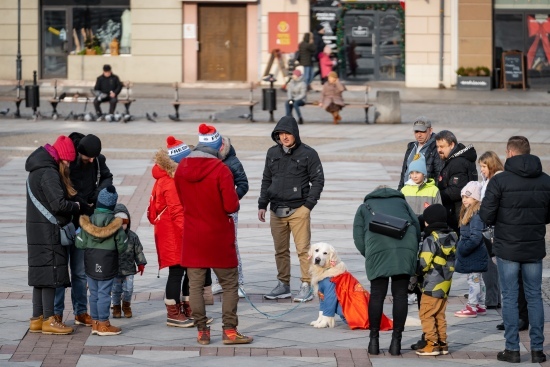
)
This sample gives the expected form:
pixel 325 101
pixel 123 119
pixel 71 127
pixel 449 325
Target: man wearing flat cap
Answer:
pixel 424 144
pixel 89 175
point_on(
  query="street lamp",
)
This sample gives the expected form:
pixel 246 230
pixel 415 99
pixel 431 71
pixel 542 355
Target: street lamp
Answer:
pixel 18 60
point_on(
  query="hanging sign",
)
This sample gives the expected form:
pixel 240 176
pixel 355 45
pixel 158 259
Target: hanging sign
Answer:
pixel 283 32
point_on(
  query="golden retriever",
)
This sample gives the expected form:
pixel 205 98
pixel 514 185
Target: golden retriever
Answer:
pixel 325 263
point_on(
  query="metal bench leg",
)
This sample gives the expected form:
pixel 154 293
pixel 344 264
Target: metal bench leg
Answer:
pixel 17 111
pixel 251 117
pixel 127 107
pixel 54 107
pixel 177 108
pixel 366 115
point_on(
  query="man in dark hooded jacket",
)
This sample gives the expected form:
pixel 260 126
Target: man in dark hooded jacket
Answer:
pixel 517 203
pixel 292 183
pixel 89 175
pixel 459 168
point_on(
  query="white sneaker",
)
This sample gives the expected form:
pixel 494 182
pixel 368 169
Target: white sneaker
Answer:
pixel 216 288
pixel 241 294
pixel 305 293
pixel 411 298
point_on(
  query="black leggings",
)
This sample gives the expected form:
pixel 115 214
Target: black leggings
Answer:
pixel 42 302
pixel 379 288
pixel 174 284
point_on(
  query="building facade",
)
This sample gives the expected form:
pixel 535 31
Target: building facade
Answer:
pixel 420 42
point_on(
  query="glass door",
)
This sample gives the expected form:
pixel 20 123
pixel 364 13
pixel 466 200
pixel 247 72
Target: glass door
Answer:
pixel 389 46
pixel 54 43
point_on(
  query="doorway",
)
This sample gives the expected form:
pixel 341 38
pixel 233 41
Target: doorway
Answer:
pixel 54 43
pixel 373 42
pixel 222 43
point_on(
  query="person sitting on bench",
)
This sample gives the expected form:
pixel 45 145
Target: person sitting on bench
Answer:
pixel 296 92
pixel 331 96
pixel 107 87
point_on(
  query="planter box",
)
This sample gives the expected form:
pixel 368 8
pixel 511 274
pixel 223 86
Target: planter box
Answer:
pixel 473 83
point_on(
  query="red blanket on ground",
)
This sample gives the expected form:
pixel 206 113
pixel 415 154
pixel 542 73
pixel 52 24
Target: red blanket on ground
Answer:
pixel 354 300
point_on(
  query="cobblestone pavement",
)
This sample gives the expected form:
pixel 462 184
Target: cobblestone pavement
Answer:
pixel 356 158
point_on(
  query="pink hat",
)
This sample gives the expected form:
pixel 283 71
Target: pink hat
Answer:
pixel 65 148
pixel 472 190
pixel 297 72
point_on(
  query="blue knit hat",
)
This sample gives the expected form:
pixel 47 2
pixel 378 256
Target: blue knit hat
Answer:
pixel 418 164
pixel 107 198
pixel 208 136
pixel 177 150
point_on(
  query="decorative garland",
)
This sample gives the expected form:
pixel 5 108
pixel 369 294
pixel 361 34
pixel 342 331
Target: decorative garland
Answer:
pixel 340 30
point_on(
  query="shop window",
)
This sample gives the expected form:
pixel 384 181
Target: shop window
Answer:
pixel 103 29
pixel 538 45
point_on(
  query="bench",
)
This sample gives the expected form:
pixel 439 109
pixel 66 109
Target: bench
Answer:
pixel 177 103
pixel 364 105
pixel 16 99
pixel 80 97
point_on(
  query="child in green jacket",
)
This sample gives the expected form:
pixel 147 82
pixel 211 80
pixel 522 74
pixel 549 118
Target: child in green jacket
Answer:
pixel 419 191
pixel 103 239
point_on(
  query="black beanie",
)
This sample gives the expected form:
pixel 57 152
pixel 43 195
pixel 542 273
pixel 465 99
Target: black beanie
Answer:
pixel 90 146
pixel 435 213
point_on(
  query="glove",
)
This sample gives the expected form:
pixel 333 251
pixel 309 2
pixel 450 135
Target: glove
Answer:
pixel 141 269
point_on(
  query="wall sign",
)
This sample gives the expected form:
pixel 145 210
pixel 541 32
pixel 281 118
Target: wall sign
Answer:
pixel 189 31
pixel 283 32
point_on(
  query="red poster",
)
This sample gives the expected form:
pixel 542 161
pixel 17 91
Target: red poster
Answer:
pixel 283 32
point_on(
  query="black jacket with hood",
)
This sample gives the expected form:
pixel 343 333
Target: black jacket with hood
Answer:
pixel 433 162
pixel 88 179
pixel 292 178
pixel 459 169
pixel 517 203
pixel 133 255
pixel 229 157
pixel 47 259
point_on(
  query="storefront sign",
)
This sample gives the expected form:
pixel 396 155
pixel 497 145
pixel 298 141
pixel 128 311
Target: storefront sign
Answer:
pixel 474 82
pixel 189 31
pixel 283 32
pixel 359 31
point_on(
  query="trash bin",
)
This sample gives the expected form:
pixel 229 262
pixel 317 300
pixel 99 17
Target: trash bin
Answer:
pixel 269 102
pixel 32 96
pixel 269 97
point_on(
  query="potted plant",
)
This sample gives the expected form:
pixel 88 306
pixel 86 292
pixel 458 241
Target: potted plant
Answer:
pixel 470 78
pixel 91 45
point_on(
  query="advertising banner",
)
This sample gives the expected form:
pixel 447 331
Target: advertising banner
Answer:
pixel 283 32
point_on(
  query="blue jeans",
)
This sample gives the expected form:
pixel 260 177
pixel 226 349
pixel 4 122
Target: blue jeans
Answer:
pixel 508 272
pixel 78 285
pixel 123 287
pixel 100 298
pixel 297 103
pixel 308 74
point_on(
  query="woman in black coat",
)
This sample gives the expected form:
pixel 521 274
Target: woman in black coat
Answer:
pixel 49 184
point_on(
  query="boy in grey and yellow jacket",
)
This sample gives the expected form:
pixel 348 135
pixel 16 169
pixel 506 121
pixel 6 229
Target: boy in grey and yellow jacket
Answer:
pixel 103 239
pixel 436 263
pixel 419 192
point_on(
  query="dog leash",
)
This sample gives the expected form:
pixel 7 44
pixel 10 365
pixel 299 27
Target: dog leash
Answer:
pixel 277 315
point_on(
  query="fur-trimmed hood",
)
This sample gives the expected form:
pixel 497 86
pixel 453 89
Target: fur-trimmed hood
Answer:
pixel 100 232
pixel 227 149
pixel 163 161
pixel 318 273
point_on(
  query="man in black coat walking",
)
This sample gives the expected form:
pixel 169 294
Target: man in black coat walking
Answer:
pixel 459 168
pixel 107 88
pixel 517 203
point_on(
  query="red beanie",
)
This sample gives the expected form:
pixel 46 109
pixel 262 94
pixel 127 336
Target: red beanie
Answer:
pixel 65 148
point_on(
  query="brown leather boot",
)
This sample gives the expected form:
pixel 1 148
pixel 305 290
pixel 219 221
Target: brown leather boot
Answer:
pixel 186 309
pixel 174 315
pixel 83 319
pixel 55 327
pixel 36 324
pixel 127 309
pixel 104 328
pixel 208 296
pixel 233 336
pixel 117 312
pixel 203 335
pixel 94 327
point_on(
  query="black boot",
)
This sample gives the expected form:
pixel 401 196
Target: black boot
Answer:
pixel 374 342
pixel 395 345
pixel 300 121
pixel 509 356
pixel 538 356
pixel 420 344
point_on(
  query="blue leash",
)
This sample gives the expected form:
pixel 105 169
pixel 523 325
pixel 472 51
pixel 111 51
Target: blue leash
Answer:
pixel 277 315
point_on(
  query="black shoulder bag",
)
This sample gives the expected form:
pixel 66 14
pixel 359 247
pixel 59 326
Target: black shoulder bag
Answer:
pixel 388 225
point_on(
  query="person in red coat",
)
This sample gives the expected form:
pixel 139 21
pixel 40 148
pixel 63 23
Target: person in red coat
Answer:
pixel 207 192
pixel 166 214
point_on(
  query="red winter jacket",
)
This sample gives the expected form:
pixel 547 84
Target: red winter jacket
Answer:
pixel 207 192
pixel 165 212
